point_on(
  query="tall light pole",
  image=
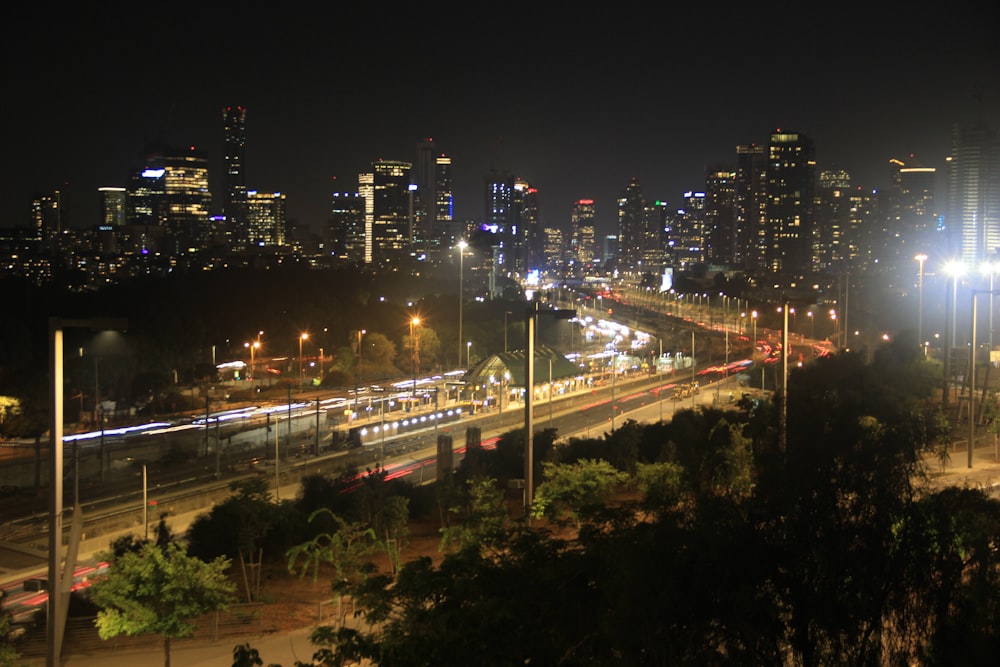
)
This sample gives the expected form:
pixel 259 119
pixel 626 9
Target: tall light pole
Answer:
pixel 415 321
pixel 60 580
pixel 357 373
pixel 956 270
pixel 989 269
pixel 921 258
pixel 505 314
pixel 302 372
pixel 468 354
pixel 812 324
pixel 253 346
pixel 461 293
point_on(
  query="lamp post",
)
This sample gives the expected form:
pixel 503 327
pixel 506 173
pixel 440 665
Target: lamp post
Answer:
pixel 468 354
pixel 357 373
pixel 529 387
pixel 461 293
pixel 302 372
pixel 505 314
pixel 61 581
pixel 989 269
pixel 414 352
pixel 955 269
pixel 812 324
pixel 921 258
pixel 253 346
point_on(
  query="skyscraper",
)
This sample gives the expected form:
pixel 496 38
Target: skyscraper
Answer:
pixel 791 177
pixel 720 214
pixel 973 214
pixel 390 214
pixel 234 205
pixel 347 226
pixel 582 221
pixel 499 214
pixel 751 206
pixel 266 221
pixel 112 206
pixel 171 190
pixel 631 226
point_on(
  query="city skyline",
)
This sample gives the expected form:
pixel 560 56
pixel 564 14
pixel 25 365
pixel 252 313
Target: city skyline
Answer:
pixel 576 105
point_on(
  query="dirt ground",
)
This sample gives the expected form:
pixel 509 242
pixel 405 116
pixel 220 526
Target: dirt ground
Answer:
pixel 293 602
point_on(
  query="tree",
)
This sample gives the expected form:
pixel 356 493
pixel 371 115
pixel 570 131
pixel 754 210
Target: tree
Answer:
pixel 343 548
pixel 572 490
pixel 483 514
pixel 160 590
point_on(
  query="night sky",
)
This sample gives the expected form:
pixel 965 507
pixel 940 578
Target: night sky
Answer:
pixel 576 101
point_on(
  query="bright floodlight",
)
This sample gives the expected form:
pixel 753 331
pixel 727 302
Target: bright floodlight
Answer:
pixel 954 268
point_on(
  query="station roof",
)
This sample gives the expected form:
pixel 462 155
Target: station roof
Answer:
pixel 513 364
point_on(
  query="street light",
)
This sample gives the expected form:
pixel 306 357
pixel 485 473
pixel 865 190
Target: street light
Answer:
pixel 956 270
pixel 468 354
pixel 357 372
pixel 414 322
pixel 921 258
pixel 462 245
pixel 253 346
pixel 302 374
pixel 505 314
pixel 60 581
pixel 812 324
pixel 987 268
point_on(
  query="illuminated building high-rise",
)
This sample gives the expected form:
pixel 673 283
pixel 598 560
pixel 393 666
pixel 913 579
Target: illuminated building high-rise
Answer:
pixel 837 238
pixel 499 214
pixel 751 206
pixel 347 226
pixel 973 214
pixel 631 227
pixel 689 231
pixel 113 204
pixel 582 221
pixel 266 221
pixel 530 230
pixel 234 205
pixel 171 190
pixel 46 215
pixel 911 209
pixel 387 215
pixel 720 215
pixel 791 177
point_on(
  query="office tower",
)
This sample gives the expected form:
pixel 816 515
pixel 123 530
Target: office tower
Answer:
pixel 444 208
pixel 46 215
pixel 346 232
pixel 266 221
pixel 751 207
pixel 112 202
pixel 656 253
pixel 234 205
pixel 609 257
pixel 582 221
pixel 973 214
pixel 390 211
pixel 910 210
pixel 524 208
pixel 171 190
pixel 720 215
pixel 836 237
pixel 631 227
pixel 791 177
pixel 552 248
pixel 499 210
pixel 366 190
pixel 530 224
pixel 689 231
